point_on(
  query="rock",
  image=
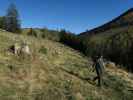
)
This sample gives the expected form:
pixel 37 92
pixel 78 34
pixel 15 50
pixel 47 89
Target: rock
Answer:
pixel 25 49
pixel 18 49
pixel 15 48
pixel 79 96
pixel 110 64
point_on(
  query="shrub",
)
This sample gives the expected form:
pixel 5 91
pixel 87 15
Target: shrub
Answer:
pixel 32 32
pixel 43 50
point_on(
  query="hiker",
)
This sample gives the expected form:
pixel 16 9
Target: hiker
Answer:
pixel 99 67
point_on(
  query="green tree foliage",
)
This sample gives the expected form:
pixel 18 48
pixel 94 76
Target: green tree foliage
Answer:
pixel 117 47
pixel 2 22
pixel 50 34
pixel 12 19
pixel 120 49
pixel 72 40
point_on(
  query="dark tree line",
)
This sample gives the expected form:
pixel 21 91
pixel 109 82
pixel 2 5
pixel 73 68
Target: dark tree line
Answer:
pixel 117 48
pixel 71 40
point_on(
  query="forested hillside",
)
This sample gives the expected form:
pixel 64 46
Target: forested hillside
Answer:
pixel 113 40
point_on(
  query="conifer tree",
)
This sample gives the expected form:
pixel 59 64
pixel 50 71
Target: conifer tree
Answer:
pixel 12 19
pixel 2 22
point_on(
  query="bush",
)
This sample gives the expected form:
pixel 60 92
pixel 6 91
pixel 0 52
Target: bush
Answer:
pixel 71 40
pixel 50 34
pixel 32 32
pixel 43 50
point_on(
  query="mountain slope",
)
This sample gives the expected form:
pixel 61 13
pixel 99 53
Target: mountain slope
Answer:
pixel 113 40
pixel 55 72
pixel 126 19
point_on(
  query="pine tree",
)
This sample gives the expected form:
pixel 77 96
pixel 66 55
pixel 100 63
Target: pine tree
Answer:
pixel 2 22
pixel 12 19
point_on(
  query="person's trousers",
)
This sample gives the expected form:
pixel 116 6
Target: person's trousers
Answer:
pixel 99 78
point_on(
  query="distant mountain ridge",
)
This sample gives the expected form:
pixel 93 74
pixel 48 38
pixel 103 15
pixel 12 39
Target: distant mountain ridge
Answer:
pixel 121 21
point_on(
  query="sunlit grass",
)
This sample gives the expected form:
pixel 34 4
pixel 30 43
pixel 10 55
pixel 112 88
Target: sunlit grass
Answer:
pixel 55 72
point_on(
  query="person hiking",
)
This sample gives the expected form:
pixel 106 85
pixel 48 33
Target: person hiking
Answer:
pixel 99 67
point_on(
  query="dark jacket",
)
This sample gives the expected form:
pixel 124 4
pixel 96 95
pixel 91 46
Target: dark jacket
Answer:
pixel 99 67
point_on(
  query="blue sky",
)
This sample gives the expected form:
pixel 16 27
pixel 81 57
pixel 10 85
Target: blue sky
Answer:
pixel 73 15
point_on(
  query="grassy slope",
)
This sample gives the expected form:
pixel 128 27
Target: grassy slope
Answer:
pixel 52 75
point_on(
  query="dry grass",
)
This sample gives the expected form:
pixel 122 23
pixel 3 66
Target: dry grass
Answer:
pixel 46 76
